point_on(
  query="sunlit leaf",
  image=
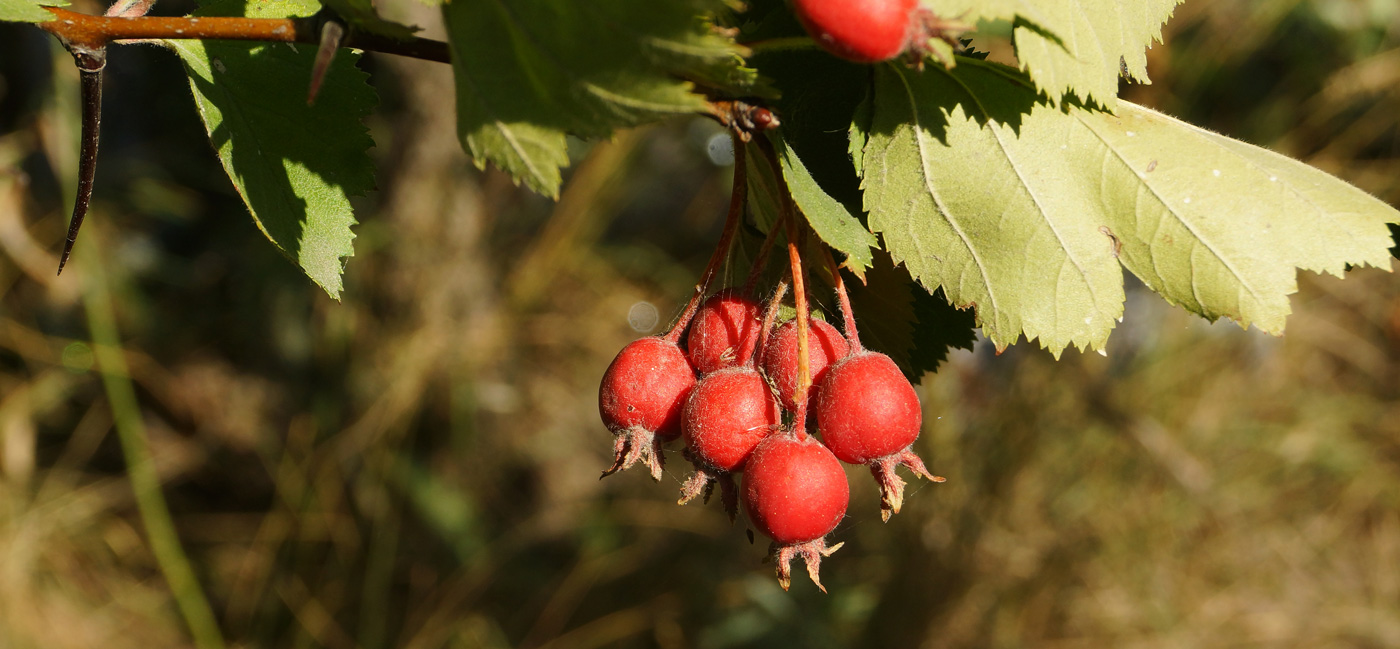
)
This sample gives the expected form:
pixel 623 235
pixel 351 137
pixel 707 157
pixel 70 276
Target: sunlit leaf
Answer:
pixel 1074 46
pixel 1027 212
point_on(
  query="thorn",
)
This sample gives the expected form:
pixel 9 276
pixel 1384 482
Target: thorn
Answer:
pixel 332 35
pixel 129 8
pixel 90 63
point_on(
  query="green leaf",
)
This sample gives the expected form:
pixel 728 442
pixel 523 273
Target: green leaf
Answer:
pixel 963 207
pixel 818 94
pixel 828 218
pixel 1026 212
pixel 296 166
pixel 1217 225
pixel 360 15
pixel 894 314
pixel 1080 46
pixel 28 11
pixel 529 71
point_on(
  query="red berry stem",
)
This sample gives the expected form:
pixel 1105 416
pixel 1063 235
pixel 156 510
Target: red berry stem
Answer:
pixel 788 217
pixel 844 301
pixel 799 296
pixel 737 197
pixel 770 316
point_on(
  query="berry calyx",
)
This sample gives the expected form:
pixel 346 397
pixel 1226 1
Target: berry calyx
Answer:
pixel 795 493
pixel 726 416
pixel 869 414
pixel 825 346
pixel 641 398
pixel 724 331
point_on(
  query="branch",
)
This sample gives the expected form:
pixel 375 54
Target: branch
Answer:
pixel 94 32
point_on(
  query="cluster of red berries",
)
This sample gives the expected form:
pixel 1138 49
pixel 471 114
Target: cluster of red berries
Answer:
pixel 725 393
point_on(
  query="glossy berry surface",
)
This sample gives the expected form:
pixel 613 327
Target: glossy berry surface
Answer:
pixel 724 332
pixel 727 415
pixel 825 345
pixel 864 31
pixel 867 409
pixel 646 387
pixel 794 491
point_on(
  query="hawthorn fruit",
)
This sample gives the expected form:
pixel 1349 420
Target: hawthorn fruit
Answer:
pixel 641 398
pixel 780 361
pixel 795 493
pixel 726 416
pixel 869 414
pixel 724 331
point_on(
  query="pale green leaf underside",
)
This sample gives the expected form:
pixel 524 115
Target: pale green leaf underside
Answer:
pixel 1030 226
pixel 28 11
pixel 529 71
pixel 831 221
pixel 1097 40
pixel 296 166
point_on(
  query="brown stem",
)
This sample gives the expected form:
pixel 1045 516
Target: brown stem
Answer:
pixel 743 119
pixel 90 62
pixel 844 300
pixel 737 197
pixel 94 32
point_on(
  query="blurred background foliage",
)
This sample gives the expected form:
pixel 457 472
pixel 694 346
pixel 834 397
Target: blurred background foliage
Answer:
pixel 417 466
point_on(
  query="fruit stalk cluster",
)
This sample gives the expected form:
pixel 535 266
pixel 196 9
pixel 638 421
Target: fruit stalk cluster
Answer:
pixel 739 389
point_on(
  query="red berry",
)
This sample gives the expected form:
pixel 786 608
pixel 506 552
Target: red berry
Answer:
pixel 825 345
pixel 867 408
pixel 641 398
pixel 869 414
pixel 724 331
pixel 727 414
pixel 795 493
pixel 864 31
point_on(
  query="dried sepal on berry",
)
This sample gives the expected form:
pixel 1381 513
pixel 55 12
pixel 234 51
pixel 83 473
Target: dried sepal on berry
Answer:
pixel 891 485
pixel 811 554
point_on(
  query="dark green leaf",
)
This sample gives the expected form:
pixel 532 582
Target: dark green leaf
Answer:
pixel 294 165
pixel 828 218
pixel 529 71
